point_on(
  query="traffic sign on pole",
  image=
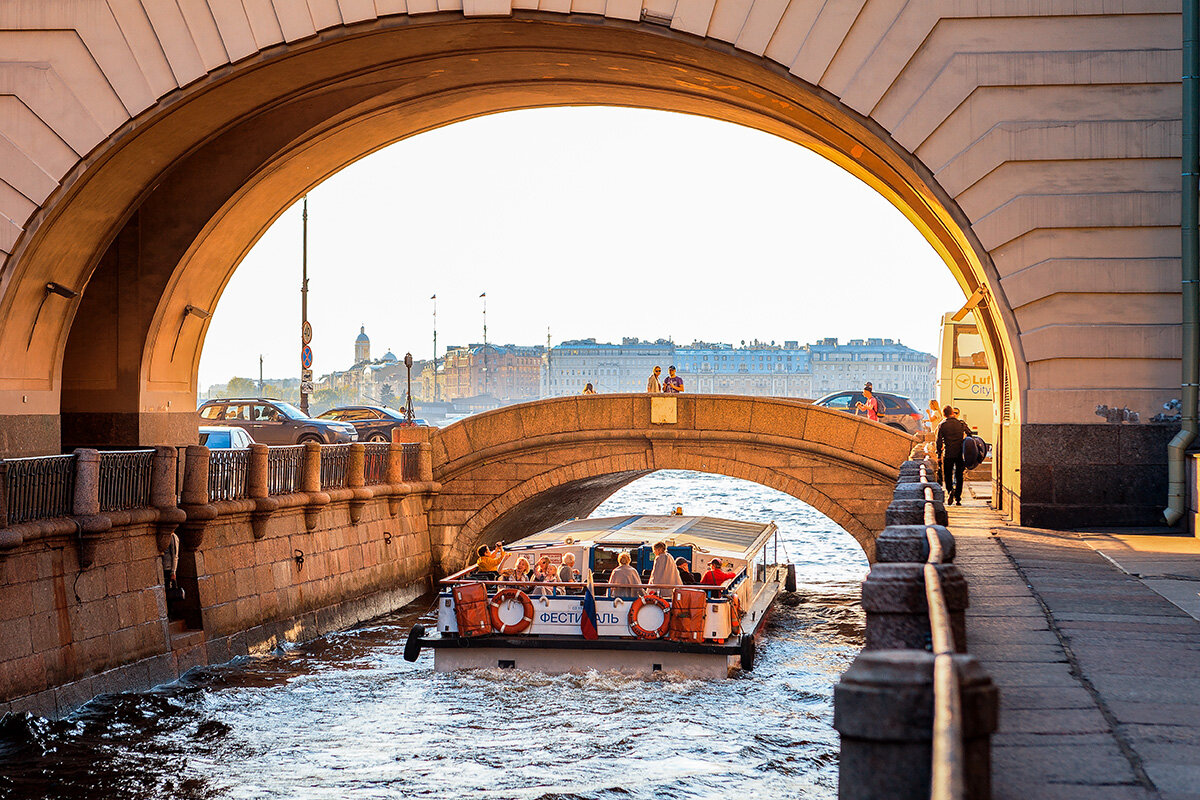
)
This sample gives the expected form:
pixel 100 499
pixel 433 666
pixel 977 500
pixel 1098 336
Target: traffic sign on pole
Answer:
pixel 306 387
pixel 306 375
pixel 306 332
pixel 306 357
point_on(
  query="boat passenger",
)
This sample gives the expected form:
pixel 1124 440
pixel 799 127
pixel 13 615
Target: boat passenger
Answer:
pixel 519 573
pixel 665 572
pixel 544 573
pixel 625 575
pixel 487 567
pixel 567 572
pixel 685 571
pixel 715 575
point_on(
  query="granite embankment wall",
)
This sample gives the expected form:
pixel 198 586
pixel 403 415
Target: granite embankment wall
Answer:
pixel 84 606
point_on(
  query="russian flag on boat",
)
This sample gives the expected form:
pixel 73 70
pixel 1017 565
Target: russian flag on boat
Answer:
pixel 587 620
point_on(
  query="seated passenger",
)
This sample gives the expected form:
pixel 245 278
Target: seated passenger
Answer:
pixel 715 575
pixel 543 573
pixel 685 571
pixel 664 573
pixel 568 574
pixel 487 567
pixel 519 573
pixel 625 575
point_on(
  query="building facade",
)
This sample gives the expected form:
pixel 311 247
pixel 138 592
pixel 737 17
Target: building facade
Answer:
pixel 623 367
pixel 758 369
pixel 508 372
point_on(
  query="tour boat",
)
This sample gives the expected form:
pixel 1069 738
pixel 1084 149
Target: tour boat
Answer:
pixel 554 627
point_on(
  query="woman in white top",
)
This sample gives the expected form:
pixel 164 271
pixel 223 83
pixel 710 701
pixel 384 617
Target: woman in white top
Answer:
pixel 665 572
pixel 625 575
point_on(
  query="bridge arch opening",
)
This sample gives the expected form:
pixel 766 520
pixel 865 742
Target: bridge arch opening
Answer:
pixel 152 224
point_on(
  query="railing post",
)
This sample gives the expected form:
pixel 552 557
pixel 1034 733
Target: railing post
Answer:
pixel 310 484
pixel 356 466
pixel 423 438
pixel 310 471
pixel 85 505
pixel 883 709
pixel 195 476
pixel 395 464
pixel 164 475
pixel 3 494
pixel 893 597
pixel 256 471
pixel 356 478
pixel 86 502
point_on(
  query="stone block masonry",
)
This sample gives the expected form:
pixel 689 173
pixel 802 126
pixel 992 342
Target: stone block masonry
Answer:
pixel 70 632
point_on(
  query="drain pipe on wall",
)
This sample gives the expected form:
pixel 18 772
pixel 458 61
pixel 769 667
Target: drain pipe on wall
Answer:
pixel 1177 494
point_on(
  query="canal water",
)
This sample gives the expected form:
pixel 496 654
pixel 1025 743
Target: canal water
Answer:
pixel 347 717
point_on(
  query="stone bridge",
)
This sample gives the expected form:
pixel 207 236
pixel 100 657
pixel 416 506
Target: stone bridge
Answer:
pixel 1035 145
pixel 518 469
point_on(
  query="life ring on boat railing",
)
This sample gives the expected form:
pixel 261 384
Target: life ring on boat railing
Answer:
pixel 638 605
pixel 497 602
pixel 735 613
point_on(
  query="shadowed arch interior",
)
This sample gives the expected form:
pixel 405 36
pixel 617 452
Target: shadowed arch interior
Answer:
pixel 188 190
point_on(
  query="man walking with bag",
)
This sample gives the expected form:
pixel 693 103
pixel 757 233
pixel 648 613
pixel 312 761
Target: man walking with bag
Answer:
pixel 950 435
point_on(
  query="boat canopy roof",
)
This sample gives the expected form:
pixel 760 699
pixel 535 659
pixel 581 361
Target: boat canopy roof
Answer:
pixel 709 534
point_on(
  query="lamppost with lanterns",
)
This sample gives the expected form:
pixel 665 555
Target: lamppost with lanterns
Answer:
pixel 408 408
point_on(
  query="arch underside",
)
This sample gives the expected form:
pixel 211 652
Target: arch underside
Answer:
pixel 853 498
pixel 241 146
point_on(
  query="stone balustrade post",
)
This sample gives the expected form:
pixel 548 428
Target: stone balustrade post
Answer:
pixel 916 491
pixel 195 476
pixel 425 462
pixel 395 463
pixel 893 597
pixel 3 494
pixel 910 511
pixel 423 437
pixel 163 477
pixel 310 471
pixel 86 502
pixel 356 466
pixel 900 543
pixel 883 710
pixel 256 471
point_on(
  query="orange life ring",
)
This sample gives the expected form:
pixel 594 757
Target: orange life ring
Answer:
pixel 735 613
pixel 503 596
pixel 638 605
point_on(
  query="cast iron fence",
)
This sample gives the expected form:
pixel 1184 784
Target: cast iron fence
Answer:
pixel 375 457
pixel 334 460
pixel 125 479
pixel 284 467
pixel 227 474
pixel 39 487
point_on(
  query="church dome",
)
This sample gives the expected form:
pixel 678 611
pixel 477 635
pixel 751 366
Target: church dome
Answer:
pixel 389 356
pixel 362 336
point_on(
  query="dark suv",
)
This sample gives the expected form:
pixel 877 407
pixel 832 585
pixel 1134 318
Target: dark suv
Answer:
pixel 373 423
pixel 271 421
pixel 895 411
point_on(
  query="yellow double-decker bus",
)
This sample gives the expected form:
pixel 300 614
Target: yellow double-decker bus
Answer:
pixel 964 378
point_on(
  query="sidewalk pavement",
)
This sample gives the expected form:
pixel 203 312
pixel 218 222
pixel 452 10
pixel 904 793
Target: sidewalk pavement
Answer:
pixel 1098 665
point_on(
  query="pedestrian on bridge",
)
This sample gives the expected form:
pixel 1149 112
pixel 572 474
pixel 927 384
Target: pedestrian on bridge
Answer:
pixel 654 385
pixel 673 384
pixel 950 435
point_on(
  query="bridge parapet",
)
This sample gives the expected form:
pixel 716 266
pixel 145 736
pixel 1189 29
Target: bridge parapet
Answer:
pixel 519 468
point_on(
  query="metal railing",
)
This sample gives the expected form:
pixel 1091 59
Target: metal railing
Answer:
pixel 125 479
pixel 948 778
pixel 335 458
pixel 39 487
pixel 227 471
pixel 375 458
pixel 410 461
pixel 285 465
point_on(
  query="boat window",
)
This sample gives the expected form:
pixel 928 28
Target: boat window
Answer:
pixel 604 560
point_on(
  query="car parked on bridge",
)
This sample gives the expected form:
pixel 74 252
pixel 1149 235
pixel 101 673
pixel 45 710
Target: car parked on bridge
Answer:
pixel 373 423
pixel 894 411
pixel 224 437
pixel 271 421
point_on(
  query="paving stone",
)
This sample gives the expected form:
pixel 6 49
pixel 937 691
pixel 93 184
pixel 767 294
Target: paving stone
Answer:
pixel 1090 764
pixel 1177 713
pixel 1066 721
pixel 1043 653
pixel 1045 698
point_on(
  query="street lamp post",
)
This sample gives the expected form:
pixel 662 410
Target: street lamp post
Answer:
pixel 408 408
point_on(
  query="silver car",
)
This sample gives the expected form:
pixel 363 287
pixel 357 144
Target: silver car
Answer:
pixel 894 411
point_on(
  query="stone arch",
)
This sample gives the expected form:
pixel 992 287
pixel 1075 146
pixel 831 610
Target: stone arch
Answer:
pixel 519 469
pixel 1032 147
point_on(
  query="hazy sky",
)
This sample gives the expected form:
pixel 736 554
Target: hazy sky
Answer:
pixel 593 222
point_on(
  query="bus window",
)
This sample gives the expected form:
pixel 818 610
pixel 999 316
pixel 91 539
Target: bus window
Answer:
pixel 968 348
